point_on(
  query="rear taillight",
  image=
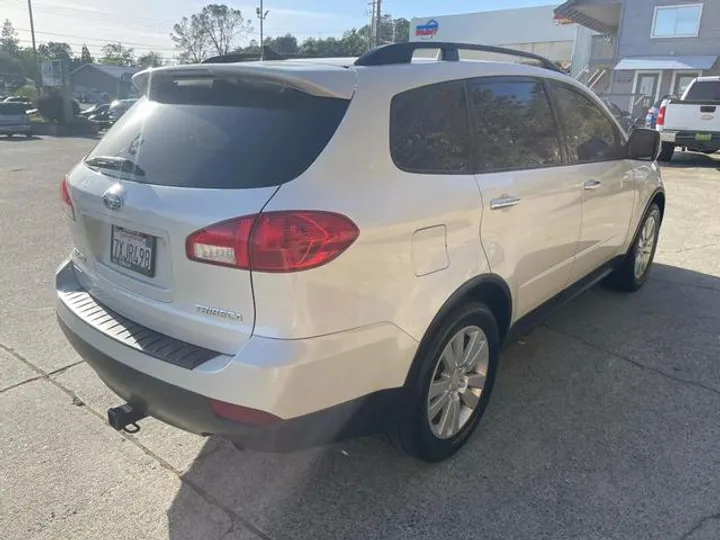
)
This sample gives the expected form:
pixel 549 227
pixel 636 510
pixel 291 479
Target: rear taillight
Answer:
pixel 283 241
pixel 237 413
pixel 661 116
pixel 67 204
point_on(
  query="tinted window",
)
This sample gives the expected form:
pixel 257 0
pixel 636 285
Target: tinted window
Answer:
pixel 513 123
pixel 219 133
pixel 429 129
pixel 590 134
pixel 704 91
pixel 13 109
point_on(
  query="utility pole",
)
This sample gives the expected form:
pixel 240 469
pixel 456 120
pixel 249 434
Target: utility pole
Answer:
pixel 375 23
pixel 262 15
pixel 32 33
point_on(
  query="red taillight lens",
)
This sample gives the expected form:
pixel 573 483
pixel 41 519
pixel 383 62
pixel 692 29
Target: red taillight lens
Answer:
pixel 284 241
pixel 67 204
pixel 661 116
pixel 245 415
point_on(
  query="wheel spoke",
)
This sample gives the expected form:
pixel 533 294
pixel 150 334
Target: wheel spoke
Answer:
pixel 470 399
pixel 455 416
pixel 445 418
pixel 476 380
pixel 476 346
pixel 438 405
pixel 439 387
pixel 448 359
pixel 457 345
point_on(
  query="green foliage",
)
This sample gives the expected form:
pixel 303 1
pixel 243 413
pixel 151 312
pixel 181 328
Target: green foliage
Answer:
pixel 151 59
pixel 214 31
pixel 118 55
pixel 9 41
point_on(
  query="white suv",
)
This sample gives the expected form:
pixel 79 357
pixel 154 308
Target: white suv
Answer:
pixel 290 253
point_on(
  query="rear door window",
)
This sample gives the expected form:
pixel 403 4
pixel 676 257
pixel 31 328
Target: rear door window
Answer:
pixel 589 132
pixel 704 91
pixel 222 133
pixel 13 109
pixel 429 130
pixel 513 124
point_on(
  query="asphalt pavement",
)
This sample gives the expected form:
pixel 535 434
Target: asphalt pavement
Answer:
pixel 604 423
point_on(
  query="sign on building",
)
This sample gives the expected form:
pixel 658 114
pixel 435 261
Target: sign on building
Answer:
pixel 52 73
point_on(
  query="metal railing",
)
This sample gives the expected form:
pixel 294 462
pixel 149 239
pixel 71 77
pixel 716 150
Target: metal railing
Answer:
pixel 602 51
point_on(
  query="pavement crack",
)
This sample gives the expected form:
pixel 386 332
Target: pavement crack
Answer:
pixel 13 386
pixel 699 525
pixel 236 519
pixel 635 362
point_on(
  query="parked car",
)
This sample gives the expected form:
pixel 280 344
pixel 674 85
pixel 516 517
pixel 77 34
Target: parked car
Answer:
pixel 14 119
pixel 119 107
pixel 98 108
pixel 653 111
pixel 693 121
pixel 238 270
pixel 18 99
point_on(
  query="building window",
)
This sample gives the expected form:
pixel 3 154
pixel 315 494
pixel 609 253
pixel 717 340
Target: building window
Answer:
pixel 677 21
pixel 682 79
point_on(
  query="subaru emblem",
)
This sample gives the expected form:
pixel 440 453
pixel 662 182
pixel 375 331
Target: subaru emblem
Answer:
pixel 113 197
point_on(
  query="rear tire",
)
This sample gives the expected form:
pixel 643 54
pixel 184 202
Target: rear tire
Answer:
pixel 635 268
pixel 667 151
pixel 452 378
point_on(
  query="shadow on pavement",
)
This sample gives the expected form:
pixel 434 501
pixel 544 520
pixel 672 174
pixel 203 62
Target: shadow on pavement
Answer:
pixel 18 138
pixel 694 159
pixel 602 425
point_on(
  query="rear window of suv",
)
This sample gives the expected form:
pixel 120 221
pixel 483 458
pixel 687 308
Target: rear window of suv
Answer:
pixel 13 109
pixel 704 91
pixel 221 133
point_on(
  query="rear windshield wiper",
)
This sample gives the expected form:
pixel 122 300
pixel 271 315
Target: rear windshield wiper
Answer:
pixel 115 163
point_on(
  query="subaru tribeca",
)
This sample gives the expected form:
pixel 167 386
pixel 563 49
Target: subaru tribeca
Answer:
pixel 289 253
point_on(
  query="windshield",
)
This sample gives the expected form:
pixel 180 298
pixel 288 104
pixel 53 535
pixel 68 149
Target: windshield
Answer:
pixel 219 133
pixel 704 91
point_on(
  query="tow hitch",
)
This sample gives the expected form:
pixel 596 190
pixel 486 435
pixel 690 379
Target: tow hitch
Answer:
pixel 124 418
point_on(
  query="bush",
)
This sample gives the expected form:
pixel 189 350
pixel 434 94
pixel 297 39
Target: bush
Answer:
pixel 51 108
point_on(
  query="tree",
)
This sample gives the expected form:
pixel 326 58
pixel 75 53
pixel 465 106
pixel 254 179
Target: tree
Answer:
pixel 223 26
pixel 9 41
pixel 190 40
pixel 287 44
pixel 85 56
pixel 151 59
pixel 11 70
pixel 216 29
pixel 117 54
pixel 56 50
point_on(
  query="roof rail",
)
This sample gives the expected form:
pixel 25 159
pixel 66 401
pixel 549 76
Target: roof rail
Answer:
pixel 402 53
pixel 268 54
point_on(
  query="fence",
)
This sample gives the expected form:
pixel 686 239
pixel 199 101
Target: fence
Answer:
pixel 632 104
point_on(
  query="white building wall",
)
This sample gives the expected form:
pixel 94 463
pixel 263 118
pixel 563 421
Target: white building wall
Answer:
pixel 529 29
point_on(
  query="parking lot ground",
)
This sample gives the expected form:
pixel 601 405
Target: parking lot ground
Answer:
pixel 603 424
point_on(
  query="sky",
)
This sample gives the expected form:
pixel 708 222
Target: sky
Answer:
pixel 145 24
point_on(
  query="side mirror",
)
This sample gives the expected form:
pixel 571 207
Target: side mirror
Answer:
pixel 644 144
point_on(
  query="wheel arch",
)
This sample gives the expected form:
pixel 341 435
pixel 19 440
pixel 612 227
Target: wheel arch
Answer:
pixel 489 289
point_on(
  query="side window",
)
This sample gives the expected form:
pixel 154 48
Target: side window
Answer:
pixel 590 134
pixel 429 129
pixel 513 123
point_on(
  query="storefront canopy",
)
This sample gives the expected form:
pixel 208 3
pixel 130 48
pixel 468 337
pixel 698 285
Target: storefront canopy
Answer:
pixel 657 63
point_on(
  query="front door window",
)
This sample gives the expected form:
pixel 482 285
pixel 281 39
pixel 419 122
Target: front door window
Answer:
pixel 646 89
pixel 682 81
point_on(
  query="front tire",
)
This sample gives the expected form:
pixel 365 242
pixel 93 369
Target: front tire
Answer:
pixel 452 379
pixel 666 152
pixel 635 268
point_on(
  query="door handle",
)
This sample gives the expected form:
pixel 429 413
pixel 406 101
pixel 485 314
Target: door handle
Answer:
pixel 591 184
pixel 505 201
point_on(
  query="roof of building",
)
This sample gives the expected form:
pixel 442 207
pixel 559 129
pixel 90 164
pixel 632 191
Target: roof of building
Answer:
pixel 666 62
pixel 114 71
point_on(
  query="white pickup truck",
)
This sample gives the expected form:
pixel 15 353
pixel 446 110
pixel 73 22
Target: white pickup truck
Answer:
pixel 693 121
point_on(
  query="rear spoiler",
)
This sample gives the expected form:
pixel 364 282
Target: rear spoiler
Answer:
pixel 317 80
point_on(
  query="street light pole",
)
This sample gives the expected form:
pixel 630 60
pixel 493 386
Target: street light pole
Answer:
pixel 262 15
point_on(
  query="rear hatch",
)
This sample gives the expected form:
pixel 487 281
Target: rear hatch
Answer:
pixel 698 111
pixel 13 114
pixel 198 149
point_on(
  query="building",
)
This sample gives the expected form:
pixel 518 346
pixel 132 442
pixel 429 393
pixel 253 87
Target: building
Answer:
pixel 102 82
pixel 647 49
pixel 534 29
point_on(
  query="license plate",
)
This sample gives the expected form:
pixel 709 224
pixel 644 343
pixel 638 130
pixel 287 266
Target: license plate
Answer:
pixel 703 137
pixel 133 250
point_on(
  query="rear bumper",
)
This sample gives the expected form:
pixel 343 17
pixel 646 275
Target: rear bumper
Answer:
pixel 689 140
pixel 180 396
pixel 16 128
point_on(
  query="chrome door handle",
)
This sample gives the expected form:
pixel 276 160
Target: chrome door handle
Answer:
pixel 506 201
pixel 592 184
